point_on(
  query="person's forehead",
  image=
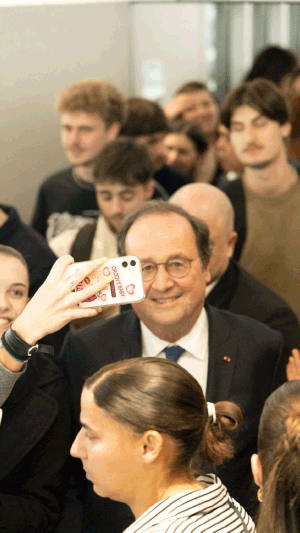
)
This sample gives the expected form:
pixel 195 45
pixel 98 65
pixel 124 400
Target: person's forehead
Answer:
pixel 163 234
pixel 201 96
pixel 13 271
pixel 151 137
pixel 113 188
pixel 245 113
pixel 81 118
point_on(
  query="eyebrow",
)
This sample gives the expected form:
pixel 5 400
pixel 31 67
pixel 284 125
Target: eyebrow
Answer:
pixel 19 285
pixel 253 120
pixel 173 256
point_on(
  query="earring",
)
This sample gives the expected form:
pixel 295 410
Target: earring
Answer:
pixel 260 495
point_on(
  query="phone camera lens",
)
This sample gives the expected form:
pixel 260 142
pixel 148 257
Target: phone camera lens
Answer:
pixel 124 264
pixel 133 263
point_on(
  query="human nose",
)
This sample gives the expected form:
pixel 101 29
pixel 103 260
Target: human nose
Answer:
pixel 162 281
pixel 78 448
pixel 115 205
pixel 171 156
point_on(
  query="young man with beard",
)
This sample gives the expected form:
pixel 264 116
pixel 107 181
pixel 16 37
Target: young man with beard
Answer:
pixel 91 113
pixel 267 197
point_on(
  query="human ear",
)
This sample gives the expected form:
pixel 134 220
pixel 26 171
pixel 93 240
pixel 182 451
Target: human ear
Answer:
pixel 150 187
pixel 113 131
pixel 286 129
pixel 231 243
pixel 256 470
pixel 152 446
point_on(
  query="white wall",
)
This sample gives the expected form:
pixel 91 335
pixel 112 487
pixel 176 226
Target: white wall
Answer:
pixel 173 33
pixel 43 49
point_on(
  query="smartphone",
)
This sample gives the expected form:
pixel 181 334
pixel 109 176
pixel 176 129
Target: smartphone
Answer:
pixel 126 287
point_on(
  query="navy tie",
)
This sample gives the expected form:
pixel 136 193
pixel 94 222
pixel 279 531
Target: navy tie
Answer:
pixel 174 352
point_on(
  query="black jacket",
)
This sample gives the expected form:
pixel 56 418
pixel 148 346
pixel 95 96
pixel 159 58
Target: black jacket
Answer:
pixel 59 193
pixel 246 363
pixel 35 440
pixel 238 292
pixel 38 256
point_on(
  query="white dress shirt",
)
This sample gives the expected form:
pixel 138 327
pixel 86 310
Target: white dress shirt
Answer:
pixel 195 343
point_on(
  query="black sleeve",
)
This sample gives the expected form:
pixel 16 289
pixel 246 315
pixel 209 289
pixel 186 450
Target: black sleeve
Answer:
pixel 40 213
pixel 285 321
pixel 32 494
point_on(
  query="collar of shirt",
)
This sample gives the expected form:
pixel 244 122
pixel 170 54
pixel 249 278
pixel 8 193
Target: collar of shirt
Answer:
pixel 211 286
pixel 195 342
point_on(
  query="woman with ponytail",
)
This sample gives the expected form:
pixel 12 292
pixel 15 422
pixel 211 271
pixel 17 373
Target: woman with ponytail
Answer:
pixel 276 468
pixel 147 432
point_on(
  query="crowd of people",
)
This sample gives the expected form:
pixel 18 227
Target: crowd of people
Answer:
pixel 181 412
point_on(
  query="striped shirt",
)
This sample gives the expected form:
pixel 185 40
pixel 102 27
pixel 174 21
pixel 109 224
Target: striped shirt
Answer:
pixel 210 510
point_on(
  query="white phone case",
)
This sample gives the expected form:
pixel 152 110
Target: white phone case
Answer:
pixel 127 286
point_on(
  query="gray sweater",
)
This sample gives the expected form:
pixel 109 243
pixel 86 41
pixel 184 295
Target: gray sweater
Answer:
pixel 7 381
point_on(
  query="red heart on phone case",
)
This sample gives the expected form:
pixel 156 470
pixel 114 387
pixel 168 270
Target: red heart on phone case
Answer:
pixel 103 297
pixel 106 271
pixel 130 289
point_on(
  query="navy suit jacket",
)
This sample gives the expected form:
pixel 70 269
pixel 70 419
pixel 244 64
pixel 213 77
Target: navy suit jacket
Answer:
pixel 246 363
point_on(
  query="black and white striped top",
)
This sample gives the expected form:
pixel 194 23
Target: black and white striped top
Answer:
pixel 210 510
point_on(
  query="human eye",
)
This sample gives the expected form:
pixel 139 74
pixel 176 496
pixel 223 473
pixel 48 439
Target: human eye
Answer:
pixel 127 196
pixel 147 267
pixel 236 127
pixel 17 293
pixel 105 197
pixel 177 263
pixel 260 122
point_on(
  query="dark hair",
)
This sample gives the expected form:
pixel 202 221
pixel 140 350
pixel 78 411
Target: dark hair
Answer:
pixel 259 94
pixel 93 96
pixel 154 207
pixel 273 63
pixel 193 87
pixel 123 161
pixel 158 394
pixel 192 131
pixel 143 117
pixel 279 452
pixel 12 252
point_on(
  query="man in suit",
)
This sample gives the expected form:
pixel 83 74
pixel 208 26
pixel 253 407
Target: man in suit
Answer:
pixel 234 358
pixel 231 287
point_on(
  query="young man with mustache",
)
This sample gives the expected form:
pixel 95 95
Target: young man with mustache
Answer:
pixel 266 199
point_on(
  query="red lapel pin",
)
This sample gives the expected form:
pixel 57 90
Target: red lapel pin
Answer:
pixel 227 359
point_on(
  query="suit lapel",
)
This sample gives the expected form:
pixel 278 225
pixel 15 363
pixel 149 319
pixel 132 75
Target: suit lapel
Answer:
pixel 222 356
pixel 131 337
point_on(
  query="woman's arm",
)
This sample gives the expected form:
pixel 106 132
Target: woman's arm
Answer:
pixel 53 306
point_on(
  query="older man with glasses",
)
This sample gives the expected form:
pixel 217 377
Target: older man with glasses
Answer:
pixel 234 358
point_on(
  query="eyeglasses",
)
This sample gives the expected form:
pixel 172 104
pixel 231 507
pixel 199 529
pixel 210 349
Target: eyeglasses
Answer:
pixel 177 268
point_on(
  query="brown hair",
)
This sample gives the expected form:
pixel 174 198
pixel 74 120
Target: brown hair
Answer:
pixel 193 87
pixel 160 207
pixel 143 117
pixel 123 161
pixel 260 94
pixel 12 252
pixel 192 131
pixel 279 453
pixel 93 96
pixel 158 394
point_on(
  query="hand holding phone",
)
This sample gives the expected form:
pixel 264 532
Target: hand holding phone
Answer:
pixel 126 286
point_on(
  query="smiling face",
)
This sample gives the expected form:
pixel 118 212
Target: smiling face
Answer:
pixel 116 200
pixel 203 110
pixel 257 140
pixel 181 152
pixel 110 452
pixel 172 306
pixel 14 286
pixel 84 135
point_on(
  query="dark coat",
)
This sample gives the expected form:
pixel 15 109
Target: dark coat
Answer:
pixel 246 363
pixel 35 440
pixel 238 292
pixel 38 256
